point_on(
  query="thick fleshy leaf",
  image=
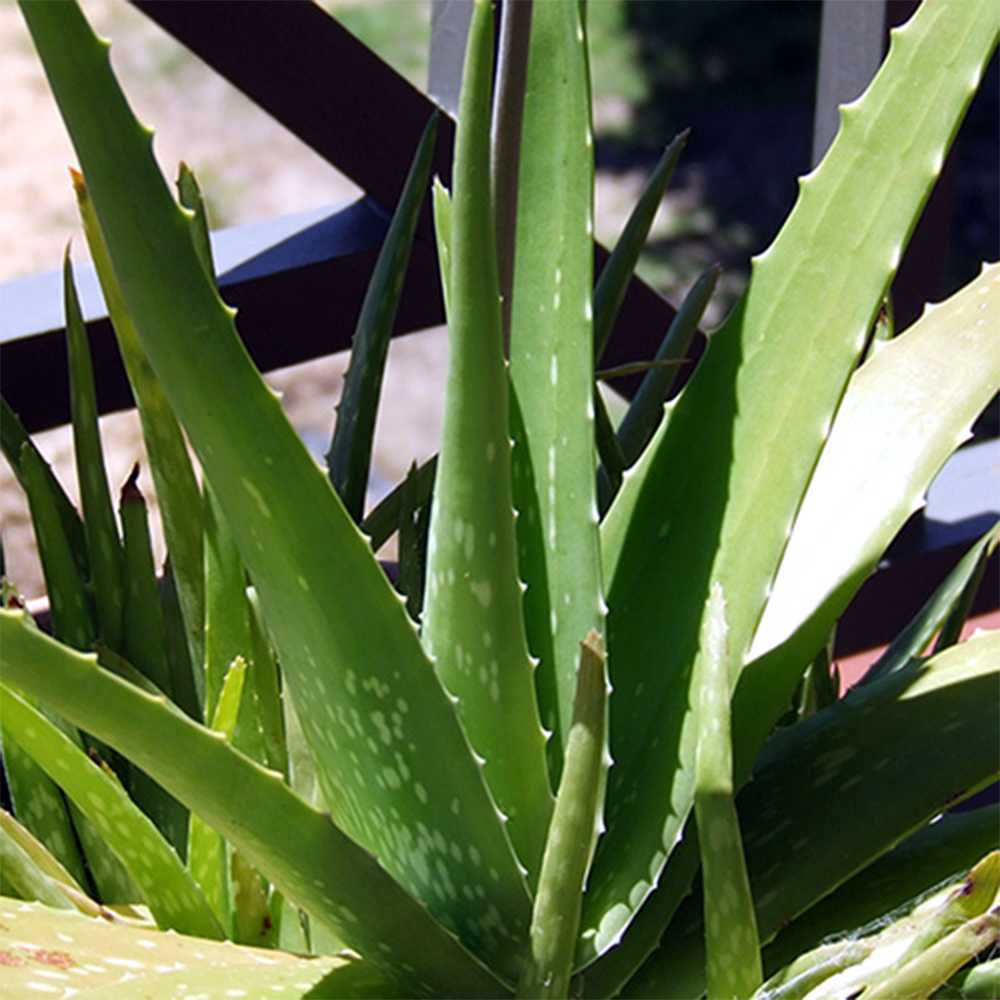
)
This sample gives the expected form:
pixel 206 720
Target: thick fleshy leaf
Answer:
pixel 391 755
pixel 829 766
pixel 177 488
pixel 103 543
pixel 717 499
pixel 167 888
pixel 328 874
pixel 905 411
pixel 473 627
pixel 50 953
pixel 552 365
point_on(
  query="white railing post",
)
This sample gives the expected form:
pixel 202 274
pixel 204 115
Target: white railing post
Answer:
pixel 851 49
pixel 449 30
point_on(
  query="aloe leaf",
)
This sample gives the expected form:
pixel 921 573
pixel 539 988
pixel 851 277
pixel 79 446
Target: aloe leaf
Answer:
pixel 825 767
pixel 948 601
pixel 937 964
pixel 646 409
pixel 13 438
pixel 177 488
pixel 144 639
pixel 472 621
pixel 68 602
pixel 349 457
pixel 609 475
pixel 268 694
pixel 442 236
pixel 32 870
pixel 328 873
pixel 39 804
pixel 348 650
pixel 952 844
pixel 56 949
pixel 227 612
pixel 616 274
pixel 513 48
pixel 208 857
pixel 103 542
pixel 733 966
pixel 414 517
pixel 383 520
pixel 904 413
pixel 980 982
pixel 576 825
pixel 552 365
pixel 948 912
pixel 189 195
pixel 166 886
pixel 144 645
pixel 718 497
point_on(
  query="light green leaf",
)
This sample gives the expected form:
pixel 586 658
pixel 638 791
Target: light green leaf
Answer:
pixel 576 825
pixel 177 488
pixel 391 755
pixel 733 967
pixel 103 543
pixel 327 874
pixel 172 896
pixel 472 622
pixel 717 499
pixel 552 365
pixel 828 766
pixel 905 411
pixel 47 948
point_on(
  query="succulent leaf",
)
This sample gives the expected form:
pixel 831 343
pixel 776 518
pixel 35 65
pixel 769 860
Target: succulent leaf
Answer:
pixel 327 602
pixel 760 407
pixel 552 365
pixel 472 622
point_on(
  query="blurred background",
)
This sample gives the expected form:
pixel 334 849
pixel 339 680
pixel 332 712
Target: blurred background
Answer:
pixel 740 73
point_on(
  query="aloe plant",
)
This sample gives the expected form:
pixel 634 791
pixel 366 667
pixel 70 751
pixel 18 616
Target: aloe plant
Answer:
pixel 531 778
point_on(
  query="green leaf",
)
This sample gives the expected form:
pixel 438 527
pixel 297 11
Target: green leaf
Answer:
pixel 903 414
pixel 227 611
pixel 177 490
pixel 831 765
pixel 905 411
pixel 327 873
pixel 472 621
pixel 144 639
pixel 646 409
pixel 717 498
pixel 952 844
pixel 349 458
pixel 576 825
pixel 43 947
pixel 948 601
pixel 13 437
pixel 617 272
pixel 103 543
pixel 32 870
pixel 552 365
pixel 70 607
pixel 733 964
pixel 40 806
pixel 172 896
pixel 390 753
